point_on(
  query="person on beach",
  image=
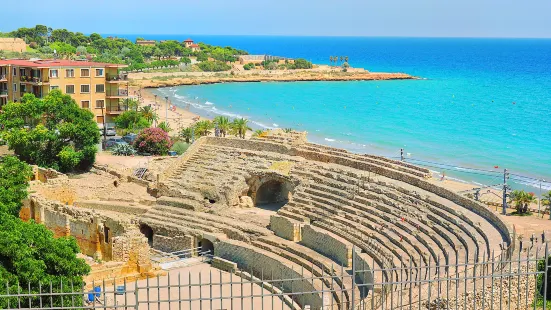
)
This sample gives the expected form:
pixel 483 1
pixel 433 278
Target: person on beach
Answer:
pixel 443 176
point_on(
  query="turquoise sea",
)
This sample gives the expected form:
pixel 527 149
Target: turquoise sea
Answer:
pixel 482 103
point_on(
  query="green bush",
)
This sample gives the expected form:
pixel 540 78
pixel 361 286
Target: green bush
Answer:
pixel 301 63
pixel 249 66
pixel 153 141
pixel 132 121
pixel 180 147
pixel 213 66
pixel 14 175
pixel 69 158
pixel 123 150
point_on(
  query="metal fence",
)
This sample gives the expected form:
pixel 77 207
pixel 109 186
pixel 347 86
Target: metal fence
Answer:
pixel 496 282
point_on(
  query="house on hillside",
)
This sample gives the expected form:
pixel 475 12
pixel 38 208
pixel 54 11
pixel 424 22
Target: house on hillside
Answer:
pixel 188 43
pixel 195 47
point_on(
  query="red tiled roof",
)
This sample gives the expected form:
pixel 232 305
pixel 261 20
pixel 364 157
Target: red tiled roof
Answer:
pixel 194 45
pixel 48 63
pixel 188 40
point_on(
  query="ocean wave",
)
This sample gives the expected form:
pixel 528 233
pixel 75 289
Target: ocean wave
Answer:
pixel 330 140
pixel 209 103
pixel 275 125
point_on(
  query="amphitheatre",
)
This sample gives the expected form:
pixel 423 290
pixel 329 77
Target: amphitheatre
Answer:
pixel 346 227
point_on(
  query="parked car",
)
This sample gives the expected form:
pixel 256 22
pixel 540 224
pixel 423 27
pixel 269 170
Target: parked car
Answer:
pixel 110 131
pixel 130 138
pixel 112 142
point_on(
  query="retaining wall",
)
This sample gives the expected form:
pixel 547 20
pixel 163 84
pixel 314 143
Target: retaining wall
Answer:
pixel 261 262
pixel 327 244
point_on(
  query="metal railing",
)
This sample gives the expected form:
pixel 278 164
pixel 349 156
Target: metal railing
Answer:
pixel 116 108
pixel 3 77
pixel 120 77
pixel 3 92
pixel 471 285
pixel 118 93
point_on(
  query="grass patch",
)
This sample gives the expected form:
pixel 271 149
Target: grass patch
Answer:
pixel 283 167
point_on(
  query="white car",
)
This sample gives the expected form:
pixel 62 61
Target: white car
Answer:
pixel 110 131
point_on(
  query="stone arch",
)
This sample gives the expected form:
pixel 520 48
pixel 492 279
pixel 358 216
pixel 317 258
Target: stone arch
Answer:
pixel 270 191
pixel 147 231
pixel 206 245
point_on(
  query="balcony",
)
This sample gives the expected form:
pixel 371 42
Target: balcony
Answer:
pixel 3 77
pixel 3 93
pixel 116 109
pixel 120 78
pixel 34 80
pixel 120 93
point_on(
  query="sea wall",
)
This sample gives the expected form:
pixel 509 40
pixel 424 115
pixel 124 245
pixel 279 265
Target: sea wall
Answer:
pixel 260 262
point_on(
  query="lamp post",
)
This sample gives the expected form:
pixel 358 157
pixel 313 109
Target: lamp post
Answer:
pixel 166 110
pixel 155 109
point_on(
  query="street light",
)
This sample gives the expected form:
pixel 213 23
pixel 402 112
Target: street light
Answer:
pixel 155 109
pixel 166 110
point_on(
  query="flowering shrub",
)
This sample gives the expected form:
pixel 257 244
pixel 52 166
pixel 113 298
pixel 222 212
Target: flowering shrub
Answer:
pixel 154 141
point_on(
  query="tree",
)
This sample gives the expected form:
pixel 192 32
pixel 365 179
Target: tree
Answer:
pixel 546 199
pixel 51 132
pixel 345 58
pixel 149 114
pixel 213 66
pixel 30 256
pixel 14 176
pixel 203 128
pixel 187 134
pixel 301 63
pixel 165 127
pixel 240 127
pixel 132 121
pixel 248 66
pixel 259 133
pixel 522 200
pixel 185 60
pixel 223 124
pixel 81 50
pixel 153 141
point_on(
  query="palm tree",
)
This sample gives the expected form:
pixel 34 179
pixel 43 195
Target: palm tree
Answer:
pixel 202 128
pixel 187 134
pixel 345 58
pixel 341 58
pixel 521 200
pixel 240 127
pixel 223 124
pixel 149 114
pixel 546 199
pixel 258 133
pixel 331 61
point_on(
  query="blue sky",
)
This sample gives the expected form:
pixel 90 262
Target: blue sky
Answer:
pixel 410 18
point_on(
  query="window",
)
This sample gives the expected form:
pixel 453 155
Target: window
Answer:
pixel 99 72
pixel 70 89
pixel 84 72
pixel 54 87
pixel 85 104
pixel 106 230
pixel 53 74
pixel 99 104
pixel 84 88
pixel 99 119
pixel 14 71
pixel 70 73
pixel 100 88
pixel 14 87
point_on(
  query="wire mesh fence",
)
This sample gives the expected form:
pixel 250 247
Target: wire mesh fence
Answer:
pixel 516 281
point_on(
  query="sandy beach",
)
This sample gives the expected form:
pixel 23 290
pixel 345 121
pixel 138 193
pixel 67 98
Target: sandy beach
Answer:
pixel 177 117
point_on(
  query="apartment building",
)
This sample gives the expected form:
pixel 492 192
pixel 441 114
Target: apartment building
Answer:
pixel 98 87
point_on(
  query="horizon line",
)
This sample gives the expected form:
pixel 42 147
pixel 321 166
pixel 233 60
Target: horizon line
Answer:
pixel 322 36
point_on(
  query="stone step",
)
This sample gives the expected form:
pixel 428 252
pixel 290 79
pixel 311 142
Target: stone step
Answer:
pixel 183 203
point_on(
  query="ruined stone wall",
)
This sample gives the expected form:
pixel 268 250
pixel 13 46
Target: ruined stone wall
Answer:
pixel 285 228
pixel 223 264
pixel 364 273
pixel 173 244
pixel 327 244
pixel 260 262
pixel 13 45
pixel 182 159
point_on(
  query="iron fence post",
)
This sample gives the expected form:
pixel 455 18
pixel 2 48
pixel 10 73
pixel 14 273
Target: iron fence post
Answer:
pixel 353 277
